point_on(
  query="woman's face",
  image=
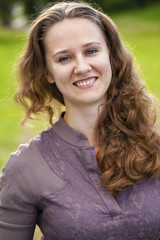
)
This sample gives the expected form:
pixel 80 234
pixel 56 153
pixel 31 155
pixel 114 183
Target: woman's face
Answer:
pixel 78 62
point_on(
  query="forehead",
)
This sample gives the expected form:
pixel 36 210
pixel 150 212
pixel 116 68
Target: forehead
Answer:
pixel 72 31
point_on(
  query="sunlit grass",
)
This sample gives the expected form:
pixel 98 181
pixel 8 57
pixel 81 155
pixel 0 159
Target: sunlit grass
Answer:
pixel 12 134
pixel 140 30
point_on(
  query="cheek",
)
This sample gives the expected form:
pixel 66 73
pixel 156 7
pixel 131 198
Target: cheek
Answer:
pixel 62 75
pixel 60 78
pixel 103 63
pixel 105 69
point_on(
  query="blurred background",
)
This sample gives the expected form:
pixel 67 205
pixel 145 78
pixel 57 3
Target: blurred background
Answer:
pixel 138 22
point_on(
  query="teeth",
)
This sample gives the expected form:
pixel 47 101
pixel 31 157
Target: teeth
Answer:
pixel 84 83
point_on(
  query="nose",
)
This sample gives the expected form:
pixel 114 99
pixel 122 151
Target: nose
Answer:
pixel 82 66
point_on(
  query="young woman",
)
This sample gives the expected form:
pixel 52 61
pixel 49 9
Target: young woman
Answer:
pixel 94 174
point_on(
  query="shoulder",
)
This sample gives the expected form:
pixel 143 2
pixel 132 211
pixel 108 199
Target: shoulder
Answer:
pixel 25 157
pixel 29 155
pixel 28 171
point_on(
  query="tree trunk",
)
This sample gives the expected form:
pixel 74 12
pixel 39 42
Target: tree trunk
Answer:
pixel 6 14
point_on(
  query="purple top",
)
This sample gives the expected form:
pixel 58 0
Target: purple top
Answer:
pixel 53 181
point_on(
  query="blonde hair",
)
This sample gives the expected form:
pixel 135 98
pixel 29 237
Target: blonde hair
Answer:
pixel 126 133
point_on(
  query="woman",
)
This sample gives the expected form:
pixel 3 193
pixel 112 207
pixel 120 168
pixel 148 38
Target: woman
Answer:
pixel 94 174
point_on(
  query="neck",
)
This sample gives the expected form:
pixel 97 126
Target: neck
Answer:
pixel 83 121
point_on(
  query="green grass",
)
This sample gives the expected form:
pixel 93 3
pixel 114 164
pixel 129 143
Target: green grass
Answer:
pixel 11 133
pixel 140 30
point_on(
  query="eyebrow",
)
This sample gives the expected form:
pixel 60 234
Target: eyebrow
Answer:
pixel 67 50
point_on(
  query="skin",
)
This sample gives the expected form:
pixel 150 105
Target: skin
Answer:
pixel 78 63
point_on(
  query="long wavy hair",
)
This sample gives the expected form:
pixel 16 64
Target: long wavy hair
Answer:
pixel 127 135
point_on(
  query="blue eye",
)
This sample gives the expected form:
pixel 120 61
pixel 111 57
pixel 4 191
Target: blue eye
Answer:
pixel 64 59
pixel 91 51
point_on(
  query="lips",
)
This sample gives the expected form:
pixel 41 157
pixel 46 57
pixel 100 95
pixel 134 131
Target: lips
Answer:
pixel 85 82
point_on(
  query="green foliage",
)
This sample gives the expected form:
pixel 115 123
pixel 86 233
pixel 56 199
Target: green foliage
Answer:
pixel 119 5
pixel 32 7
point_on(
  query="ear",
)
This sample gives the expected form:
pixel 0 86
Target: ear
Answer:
pixel 49 77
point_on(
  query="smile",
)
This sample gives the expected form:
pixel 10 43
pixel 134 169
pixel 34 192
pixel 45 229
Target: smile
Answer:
pixel 85 83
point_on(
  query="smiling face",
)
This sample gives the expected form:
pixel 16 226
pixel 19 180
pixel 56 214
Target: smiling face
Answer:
pixel 78 62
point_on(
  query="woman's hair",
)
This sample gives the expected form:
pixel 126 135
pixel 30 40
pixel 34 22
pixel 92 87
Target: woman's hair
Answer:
pixel 127 134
